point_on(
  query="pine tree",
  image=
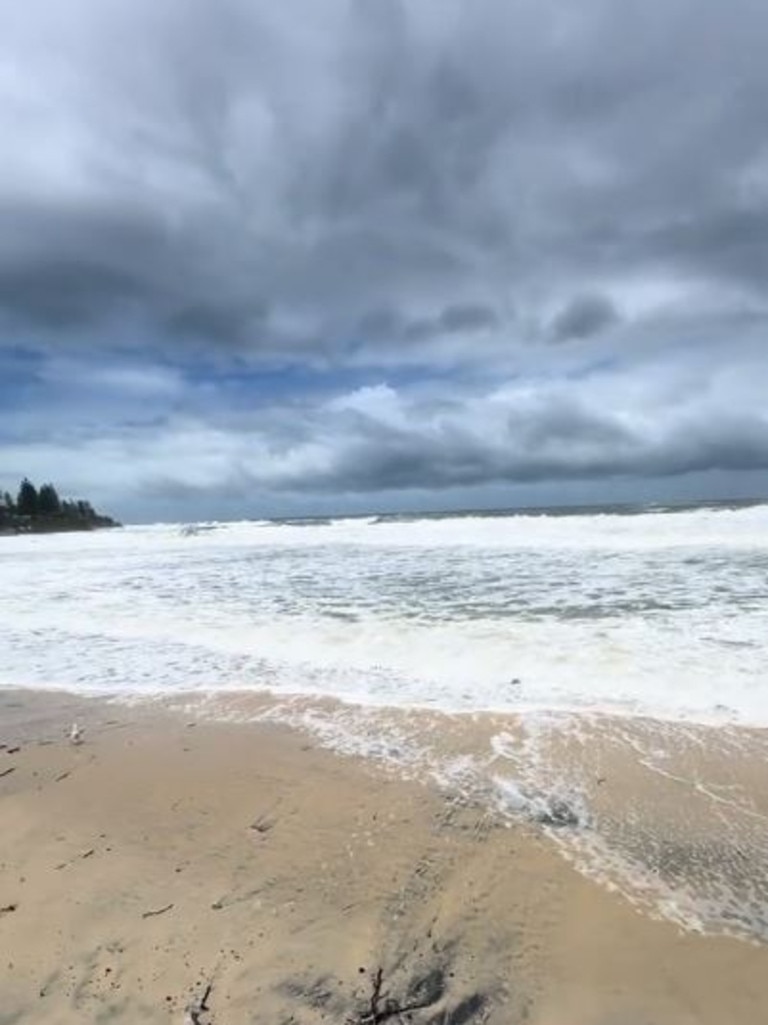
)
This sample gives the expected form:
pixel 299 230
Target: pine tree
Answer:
pixel 27 501
pixel 48 502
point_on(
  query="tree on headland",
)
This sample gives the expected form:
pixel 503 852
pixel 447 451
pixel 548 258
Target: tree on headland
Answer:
pixel 43 511
pixel 48 502
pixel 27 500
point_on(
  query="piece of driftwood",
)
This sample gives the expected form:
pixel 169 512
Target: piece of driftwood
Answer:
pixel 159 911
pixel 7 772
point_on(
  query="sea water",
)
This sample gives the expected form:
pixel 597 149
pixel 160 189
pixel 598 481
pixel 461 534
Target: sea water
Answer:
pixel 518 659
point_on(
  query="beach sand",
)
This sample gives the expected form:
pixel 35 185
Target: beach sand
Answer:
pixel 167 858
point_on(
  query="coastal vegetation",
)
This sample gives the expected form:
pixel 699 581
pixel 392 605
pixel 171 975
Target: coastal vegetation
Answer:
pixel 41 511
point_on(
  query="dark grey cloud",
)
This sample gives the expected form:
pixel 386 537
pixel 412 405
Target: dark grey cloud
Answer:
pixel 209 162
pixel 62 294
pixel 236 324
pixel 555 443
pixel 68 267
pixel 467 317
pixel 584 316
pixel 388 325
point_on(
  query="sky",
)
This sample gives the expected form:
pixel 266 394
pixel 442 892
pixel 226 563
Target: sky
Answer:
pixel 353 255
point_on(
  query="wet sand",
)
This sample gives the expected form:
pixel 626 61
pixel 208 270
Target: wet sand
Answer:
pixel 167 858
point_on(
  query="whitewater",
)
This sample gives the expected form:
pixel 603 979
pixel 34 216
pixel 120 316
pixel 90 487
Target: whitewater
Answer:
pixel 601 676
pixel 658 613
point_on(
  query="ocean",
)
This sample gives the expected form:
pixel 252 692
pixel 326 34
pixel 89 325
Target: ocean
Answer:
pixel 601 675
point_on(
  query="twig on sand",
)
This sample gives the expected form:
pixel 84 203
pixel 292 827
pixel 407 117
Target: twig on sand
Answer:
pixel 382 1007
pixel 159 911
pixel 8 909
pixel 7 772
pixel 78 857
pixel 261 827
pixel 262 824
pixel 265 821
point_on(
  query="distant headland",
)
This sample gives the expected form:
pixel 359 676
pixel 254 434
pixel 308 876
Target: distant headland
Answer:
pixel 41 511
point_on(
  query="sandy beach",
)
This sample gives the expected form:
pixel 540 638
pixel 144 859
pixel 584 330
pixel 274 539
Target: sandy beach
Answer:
pixel 171 869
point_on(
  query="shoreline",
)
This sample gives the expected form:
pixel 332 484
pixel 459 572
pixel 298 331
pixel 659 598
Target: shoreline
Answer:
pixel 168 853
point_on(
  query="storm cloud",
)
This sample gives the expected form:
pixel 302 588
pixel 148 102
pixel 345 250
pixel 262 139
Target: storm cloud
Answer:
pixel 292 212
pixel 583 316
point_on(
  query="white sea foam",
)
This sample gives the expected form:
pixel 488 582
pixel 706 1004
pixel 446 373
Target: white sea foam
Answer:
pixel 665 814
pixel 658 613
pixel 681 832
